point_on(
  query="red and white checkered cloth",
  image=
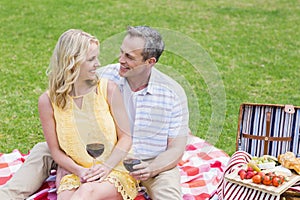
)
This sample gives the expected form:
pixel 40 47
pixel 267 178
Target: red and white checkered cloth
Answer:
pixel 9 164
pixel 201 169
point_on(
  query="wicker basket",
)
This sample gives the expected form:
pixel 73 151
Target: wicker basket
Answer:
pixel 270 129
pixel 290 195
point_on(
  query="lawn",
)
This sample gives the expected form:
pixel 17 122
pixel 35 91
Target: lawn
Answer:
pixel 223 52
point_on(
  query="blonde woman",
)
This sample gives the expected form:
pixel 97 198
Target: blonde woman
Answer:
pixel 79 108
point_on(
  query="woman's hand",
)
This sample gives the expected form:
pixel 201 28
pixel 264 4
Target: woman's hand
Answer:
pixel 97 173
pixel 82 173
pixel 61 172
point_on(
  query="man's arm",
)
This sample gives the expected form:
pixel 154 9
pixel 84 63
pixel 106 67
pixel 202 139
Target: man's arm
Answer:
pixel 170 158
pixel 178 132
pixel 177 139
pixel 163 162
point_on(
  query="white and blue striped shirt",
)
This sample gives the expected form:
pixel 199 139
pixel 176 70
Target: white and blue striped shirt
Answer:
pixel 161 111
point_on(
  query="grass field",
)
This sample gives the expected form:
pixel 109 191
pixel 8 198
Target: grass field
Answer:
pixel 223 52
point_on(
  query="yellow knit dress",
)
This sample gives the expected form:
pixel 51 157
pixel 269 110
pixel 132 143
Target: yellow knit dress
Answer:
pixel 91 123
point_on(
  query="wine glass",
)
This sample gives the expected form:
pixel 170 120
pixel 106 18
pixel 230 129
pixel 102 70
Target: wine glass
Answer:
pixel 95 150
pixel 128 164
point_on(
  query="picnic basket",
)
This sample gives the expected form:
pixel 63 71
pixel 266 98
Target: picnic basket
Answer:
pixel 269 129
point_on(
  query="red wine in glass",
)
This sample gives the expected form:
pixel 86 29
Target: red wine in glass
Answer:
pixel 129 163
pixel 95 150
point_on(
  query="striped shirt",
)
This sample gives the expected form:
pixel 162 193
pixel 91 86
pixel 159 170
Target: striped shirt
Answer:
pixel 161 111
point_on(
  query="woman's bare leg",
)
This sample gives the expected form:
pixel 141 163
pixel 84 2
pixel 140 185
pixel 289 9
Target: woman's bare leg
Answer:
pixel 66 194
pixel 97 191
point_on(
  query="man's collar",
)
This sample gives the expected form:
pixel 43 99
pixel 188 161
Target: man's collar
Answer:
pixel 149 88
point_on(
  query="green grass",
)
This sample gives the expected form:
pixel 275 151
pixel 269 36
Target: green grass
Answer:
pixel 252 55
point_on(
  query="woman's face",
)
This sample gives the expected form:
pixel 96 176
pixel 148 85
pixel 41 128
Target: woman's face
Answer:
pixel 89 66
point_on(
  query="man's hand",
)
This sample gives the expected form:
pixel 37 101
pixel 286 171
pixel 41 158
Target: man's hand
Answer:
pixel 142 171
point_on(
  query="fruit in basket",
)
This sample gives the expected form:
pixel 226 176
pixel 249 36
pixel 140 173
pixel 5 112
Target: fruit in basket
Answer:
pixel 271 158
pixel 250 169
pixel 249 174
pixel 254 166
pixel 242 173
pixel 246 173
pixel 262 174
pixel 264 162
pixel 276 181
pixel 257 179
pixel 282 178
pixel 267 180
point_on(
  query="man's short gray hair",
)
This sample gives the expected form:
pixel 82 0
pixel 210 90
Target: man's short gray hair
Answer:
pixel 154 45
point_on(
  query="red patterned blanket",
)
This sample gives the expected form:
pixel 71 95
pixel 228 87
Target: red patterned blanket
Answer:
pixel 201 169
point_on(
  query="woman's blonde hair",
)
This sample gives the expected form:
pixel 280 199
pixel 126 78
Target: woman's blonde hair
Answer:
pixel 69 53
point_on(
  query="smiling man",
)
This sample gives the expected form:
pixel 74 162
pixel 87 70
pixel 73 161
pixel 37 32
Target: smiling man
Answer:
pixel 157 108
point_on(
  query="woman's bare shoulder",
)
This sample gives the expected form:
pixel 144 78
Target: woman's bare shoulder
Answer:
pixel 44 99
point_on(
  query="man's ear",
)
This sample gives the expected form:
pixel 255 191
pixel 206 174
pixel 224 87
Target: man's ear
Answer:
pixel 152 60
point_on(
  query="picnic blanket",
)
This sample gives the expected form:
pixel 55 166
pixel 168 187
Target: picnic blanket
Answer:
pixel 202 167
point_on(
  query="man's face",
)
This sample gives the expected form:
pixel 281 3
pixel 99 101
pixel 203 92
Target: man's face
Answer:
pixel 131 59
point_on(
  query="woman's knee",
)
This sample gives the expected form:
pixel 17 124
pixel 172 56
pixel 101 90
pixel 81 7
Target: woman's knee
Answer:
pixel 84 191
pixel 102 191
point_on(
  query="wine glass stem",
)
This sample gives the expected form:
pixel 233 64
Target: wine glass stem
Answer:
pixel 140 189
pixel 94 162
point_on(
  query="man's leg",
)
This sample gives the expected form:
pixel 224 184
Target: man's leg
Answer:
pixel 166 185
pixel 29 178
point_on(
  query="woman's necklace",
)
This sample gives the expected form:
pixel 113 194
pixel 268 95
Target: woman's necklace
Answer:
pixel 84 93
